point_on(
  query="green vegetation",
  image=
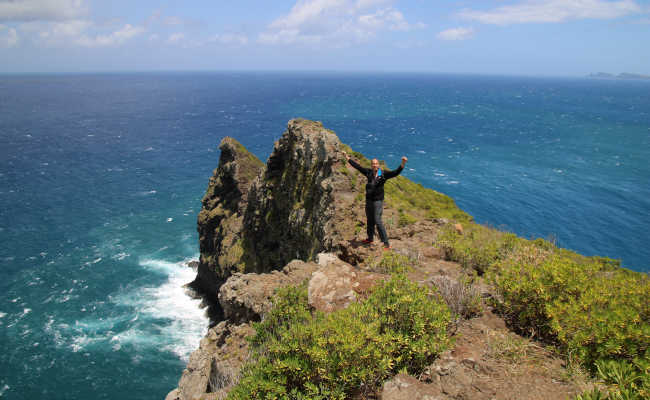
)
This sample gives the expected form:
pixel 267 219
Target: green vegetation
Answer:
pixel 405 219
pixel 623 380
pixel 391 263
pixel 592 309
pixel 478 248
pixel 300 355
pixel 252 166
pixel 411 197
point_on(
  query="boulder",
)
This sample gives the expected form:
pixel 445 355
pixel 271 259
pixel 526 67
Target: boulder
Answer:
pixel 247 297
pixel 406 387
pixel 336 284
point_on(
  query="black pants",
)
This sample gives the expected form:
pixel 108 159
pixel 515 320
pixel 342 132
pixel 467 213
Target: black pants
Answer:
pixel 374 209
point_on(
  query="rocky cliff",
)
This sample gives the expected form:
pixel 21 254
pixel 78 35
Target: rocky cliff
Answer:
pixel 257 218
pixel 300 218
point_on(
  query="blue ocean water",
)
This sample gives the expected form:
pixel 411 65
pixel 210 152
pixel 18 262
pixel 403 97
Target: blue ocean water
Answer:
pixel 101 178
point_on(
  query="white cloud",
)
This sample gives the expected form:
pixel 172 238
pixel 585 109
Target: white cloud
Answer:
pixel 230 39
pixel 335 22
pixel 70 28
pixel 41 10
pixel 81 33
pixel 113 39
pixel 553 11
pixel 388 18
pixel 175 38
pixel 459 33
pixel 9 38
pixel 173 21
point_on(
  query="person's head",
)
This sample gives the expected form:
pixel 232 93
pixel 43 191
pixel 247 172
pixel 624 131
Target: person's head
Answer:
pixel 375 165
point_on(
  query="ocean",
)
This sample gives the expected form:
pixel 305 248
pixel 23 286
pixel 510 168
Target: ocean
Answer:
pixel 101 177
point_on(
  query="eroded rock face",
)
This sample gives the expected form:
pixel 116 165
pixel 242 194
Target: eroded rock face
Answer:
pixel 215 364
pixel 257 218
pixel 292 205
pixel 220 220
pixel 247 297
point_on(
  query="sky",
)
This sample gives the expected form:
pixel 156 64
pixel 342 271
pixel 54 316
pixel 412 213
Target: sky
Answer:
pixel 506 37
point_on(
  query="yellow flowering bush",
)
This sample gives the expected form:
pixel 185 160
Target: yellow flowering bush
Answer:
pixel 401 326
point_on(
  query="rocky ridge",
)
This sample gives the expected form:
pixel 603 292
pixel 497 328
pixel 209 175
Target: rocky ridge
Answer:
pixel 299 218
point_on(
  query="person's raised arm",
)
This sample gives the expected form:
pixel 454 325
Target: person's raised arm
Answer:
pixel 394 173
pixel 356 165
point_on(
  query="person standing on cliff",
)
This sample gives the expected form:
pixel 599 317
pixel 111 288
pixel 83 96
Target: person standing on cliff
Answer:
pixel 375 196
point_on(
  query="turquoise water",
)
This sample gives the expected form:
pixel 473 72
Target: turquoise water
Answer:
pixel 101 178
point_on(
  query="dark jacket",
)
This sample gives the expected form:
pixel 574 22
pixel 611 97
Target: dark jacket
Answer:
pixel 375 185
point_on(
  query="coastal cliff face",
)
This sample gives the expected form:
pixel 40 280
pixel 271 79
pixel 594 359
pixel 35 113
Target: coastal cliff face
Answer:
pixel 299 219
pixel 220 220
pixel 257 218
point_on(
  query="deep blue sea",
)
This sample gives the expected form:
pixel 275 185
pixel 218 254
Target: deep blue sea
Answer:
pixel 101 178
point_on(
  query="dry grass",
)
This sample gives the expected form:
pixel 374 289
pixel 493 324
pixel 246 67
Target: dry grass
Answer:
pixel 462 297
pixel 222 375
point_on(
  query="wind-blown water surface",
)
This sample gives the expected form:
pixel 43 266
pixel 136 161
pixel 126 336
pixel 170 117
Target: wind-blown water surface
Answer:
pixel 101 178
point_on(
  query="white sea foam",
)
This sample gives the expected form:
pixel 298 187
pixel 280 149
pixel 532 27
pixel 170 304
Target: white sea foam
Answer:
pixel 421 151
pixel 452 183
pixel 4 389
pixel 170 219
pixel 120 256
pixel 169 301
pixel 2 315
pixel 439 174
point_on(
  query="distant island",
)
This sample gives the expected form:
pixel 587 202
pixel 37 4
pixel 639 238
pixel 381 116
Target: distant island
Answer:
pixel 623 75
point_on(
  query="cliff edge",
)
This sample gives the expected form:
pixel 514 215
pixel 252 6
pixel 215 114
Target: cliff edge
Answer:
pixel 298 221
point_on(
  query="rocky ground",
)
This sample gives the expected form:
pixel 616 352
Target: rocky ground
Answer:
pixel 309 197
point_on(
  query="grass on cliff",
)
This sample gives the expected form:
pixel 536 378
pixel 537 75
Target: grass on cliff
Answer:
pixel 400 327
pixel 591 308
pixel 410 199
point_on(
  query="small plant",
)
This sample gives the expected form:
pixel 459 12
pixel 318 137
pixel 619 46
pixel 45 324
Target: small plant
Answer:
pixel 405 219
pixel 221 375
pixel 391 263
pixel 462 297
pixel 507 346
pixel 594 394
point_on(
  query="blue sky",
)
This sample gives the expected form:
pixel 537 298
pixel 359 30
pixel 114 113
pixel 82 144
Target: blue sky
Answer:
pixel 512 37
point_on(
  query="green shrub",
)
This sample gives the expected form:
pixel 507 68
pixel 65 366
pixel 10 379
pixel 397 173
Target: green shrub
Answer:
pixel 624 380
pixel 593 313
pixel 391 263
pixel 594 394
pixel 401 326
pixel 405 219
pixel 589 306
pixel 478 248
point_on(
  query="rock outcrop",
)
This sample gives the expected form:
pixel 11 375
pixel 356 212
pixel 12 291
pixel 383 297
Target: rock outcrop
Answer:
pixel 257 218
pixel 247 297
pixel 220 220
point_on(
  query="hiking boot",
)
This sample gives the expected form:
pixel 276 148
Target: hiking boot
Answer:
pixel 366 241
pixel 387 247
